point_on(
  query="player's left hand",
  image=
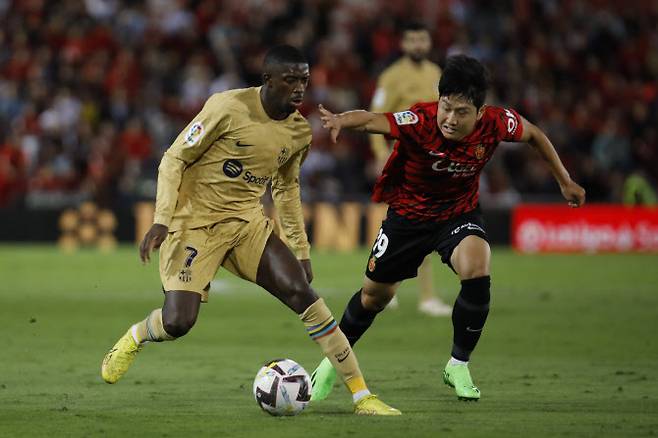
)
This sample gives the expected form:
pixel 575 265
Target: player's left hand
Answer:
pixel 330 122
pixel 153 239
pixel 306 264
pixel 573 193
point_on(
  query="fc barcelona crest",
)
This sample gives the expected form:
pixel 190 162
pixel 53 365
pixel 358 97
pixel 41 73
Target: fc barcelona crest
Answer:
pixel 479 152
pixel 283 156
pixel 185 275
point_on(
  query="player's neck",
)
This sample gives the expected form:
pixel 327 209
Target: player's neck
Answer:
pixel 272 111
pixel 415 62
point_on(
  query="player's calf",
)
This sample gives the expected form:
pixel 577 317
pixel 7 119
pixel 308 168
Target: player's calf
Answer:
pixel 324 330
pixel 469 316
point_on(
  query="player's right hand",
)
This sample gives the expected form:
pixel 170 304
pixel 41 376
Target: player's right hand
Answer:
pixel 153 239
pixel 330 121
pixel 573 193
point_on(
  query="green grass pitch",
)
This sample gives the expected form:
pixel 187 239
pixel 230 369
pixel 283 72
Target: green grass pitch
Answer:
pixel 570 349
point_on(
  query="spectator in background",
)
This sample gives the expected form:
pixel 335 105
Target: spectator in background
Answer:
pixel 585 71
pixel 638 190
pixel 411 79
pixel 12 172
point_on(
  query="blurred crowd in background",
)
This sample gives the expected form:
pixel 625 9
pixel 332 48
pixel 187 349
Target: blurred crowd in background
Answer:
pixel 92 92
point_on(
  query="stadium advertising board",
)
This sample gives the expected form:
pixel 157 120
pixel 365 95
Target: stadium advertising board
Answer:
pixel 592 228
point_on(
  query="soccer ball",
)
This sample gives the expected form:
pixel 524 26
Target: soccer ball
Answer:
pixel 282 387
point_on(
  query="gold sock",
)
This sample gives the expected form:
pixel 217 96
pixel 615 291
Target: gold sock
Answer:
pixel 151 329
pixel 323 329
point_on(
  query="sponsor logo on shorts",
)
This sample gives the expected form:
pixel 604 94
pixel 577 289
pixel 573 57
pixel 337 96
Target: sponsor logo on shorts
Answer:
pixel 405 118
pixel 240 144
pixel 250 178
pixel 232 168
pixel 372 264
pixel 468 226
pixel 194 134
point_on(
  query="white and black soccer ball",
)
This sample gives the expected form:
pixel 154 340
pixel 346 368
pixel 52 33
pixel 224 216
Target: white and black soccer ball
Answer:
pixel 282 387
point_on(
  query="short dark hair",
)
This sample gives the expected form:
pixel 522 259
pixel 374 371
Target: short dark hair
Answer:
pixel 413 26
pixel 283 54
pixel 464 76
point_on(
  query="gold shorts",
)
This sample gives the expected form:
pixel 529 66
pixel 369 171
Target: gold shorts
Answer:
pixel 189 259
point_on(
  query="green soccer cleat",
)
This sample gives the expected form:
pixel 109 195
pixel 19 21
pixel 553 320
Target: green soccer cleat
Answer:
pixel 459 377
pixel 322 380
pixel 372 405
pixel 117 361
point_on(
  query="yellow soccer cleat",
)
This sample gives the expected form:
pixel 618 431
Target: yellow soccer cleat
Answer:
pixel 371 405
pixel 117 361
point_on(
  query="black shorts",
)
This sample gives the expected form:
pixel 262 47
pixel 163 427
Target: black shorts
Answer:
pixel 402 245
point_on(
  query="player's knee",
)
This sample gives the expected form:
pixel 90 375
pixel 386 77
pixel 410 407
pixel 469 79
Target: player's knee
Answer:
pixel 377 300
pixel 474 269
pixel 299 295
pixel 178 324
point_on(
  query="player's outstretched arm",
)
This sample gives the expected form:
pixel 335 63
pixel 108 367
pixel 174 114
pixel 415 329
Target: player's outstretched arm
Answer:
pixel 535 137
pixel 359 120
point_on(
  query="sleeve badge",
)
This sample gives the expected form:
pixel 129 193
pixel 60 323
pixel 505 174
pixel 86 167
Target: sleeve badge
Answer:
pixel 194 134
pixel 406 118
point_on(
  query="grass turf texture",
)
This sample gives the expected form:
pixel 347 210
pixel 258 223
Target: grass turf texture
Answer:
pixel 569 349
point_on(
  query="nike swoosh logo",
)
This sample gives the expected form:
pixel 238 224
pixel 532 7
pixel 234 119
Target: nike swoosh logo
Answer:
pixel 242 145
pixel 468 329
pixel 341 360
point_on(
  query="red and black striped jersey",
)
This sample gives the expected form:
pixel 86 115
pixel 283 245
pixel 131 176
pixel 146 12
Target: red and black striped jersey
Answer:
pixel 429 178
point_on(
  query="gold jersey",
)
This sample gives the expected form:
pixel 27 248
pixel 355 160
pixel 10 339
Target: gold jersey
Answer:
pixel 220 165
pixel 403 84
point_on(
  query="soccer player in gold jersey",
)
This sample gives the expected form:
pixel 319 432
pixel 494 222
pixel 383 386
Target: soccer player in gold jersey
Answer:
pixel 411 79
pixel 208 214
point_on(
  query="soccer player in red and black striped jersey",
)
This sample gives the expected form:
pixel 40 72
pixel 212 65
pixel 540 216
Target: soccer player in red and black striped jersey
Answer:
pixel 430 183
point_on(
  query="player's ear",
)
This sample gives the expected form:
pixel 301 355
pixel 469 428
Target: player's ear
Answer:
pixel 266 77
pixel 481 112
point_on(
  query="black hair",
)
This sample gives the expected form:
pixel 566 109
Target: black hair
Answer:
pixel 283 54
pixel 464 76
pixel 413 26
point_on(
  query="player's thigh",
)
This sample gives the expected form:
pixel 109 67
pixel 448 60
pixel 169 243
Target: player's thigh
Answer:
pixel 262 258
pixel 244 258
pixel 397 253
pixel 471 258
pixel 189 259
pixel 453 234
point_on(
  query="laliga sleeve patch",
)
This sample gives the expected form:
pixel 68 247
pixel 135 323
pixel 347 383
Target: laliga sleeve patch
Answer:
pixel 406 118
pixel 194 134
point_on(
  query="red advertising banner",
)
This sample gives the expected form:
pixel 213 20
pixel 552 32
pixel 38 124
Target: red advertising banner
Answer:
pixel 592 228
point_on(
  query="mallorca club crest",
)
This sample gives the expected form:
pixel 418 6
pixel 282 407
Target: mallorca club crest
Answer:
pixel 372 264
pixel 479 151
pixel 283 155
